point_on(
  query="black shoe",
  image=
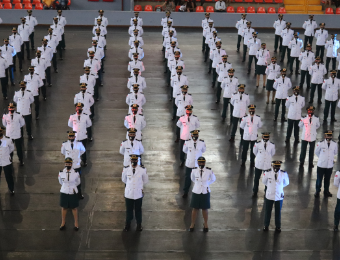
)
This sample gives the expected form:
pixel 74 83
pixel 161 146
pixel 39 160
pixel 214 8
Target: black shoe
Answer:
pixel 311 165
pixel 248 72
pixel 90 139
pixel 45 98
pixel 205 229
pixel 209 72
pixel 254 195
pixel 278 230
pixel 192 229
pixel 37 118
pixel 62 227
pixel 22 163
pixel 243 164
pixel 283 120
pixel 181 164
pixel 297 141
pixel 297 73
pixel 265 228
pixel 177 140
pixel 275 51
pixel 81 197
pixel 232 139
pixel 335 228
pixel 84 164
pixel 281 60
pixel 76 228
pixel 223 119
pixel 275 119
pixel 243 60
pixel 185 195
pixel 291 72
pixel 319 102
pixel 311 101
pixel 301 165
pixel 101 84
pixel 213 85
pixel 217 101
pixel 30 137
pixel 287 141
pixel 328 194
pixel 103 71
pixel 126 228
pixel 139 227
pixel 252 164
pixel 55 71
pixel 5 98
pixel 334 120
pixel 20 70
pixel 317 194
pixel 11 192
pixel 50 85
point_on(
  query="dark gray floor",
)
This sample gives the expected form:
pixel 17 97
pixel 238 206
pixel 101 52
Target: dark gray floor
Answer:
pixel 29 221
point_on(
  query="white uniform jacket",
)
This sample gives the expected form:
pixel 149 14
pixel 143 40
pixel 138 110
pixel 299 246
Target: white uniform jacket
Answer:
pixel 263 155
pixel 16 41
pixel 332 47
pixel 103 30
pixel 138 50
pixel 181 102
pixel 134 38
pixel 136 98
pixel 275 185
pixel 241 25
pixel 240 103
pixel 136 64
pixel 202 181
pixel 250 127
pixel 272 71
pixel 40 65
pixel 173 64
pixel 62 20
pixel 3 67
pixel 101 41
pixel 165 20
pixel 222 70
pixel 177 82
pixel 287 35
pixel 326 153
pixel 8 52
pixel 105 22
pixel 220 5
pixel 337 183
pixel 205 22
pixel 317 72
pixel 74 153
pixel 47 54
pixel 309 26
pixel 90 80
pixel 13 126
pixel 98 52
pixel 6 148
pixel 140 81
pixel 229 86
pixel 193 152
pixel 216 56
pixel 80 123
pixel 69 180
pixel 24 31
pixel 85 98
pixel 307 58
pixel 134 182
pixel 57 30
pixel 309 129
pixel 52 41
pixel 295 47
pixel 247 34
pixel 94 64
pixel 262 56
pixel 321 37
pixel 166 29
pixel 279 25
pixel 254 45
pixel 282 86
pixel 132 28
pixel 32 21
pixel 295 105
pixel 139 21
pixel 24 99
pixel 34 82
pixel 167 41
pixel 126 149
pixel 187 126
pixel 170 53
pixel 208 32
pixel 139 124
pixel 332 87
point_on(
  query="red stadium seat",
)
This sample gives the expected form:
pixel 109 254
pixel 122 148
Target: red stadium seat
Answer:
pixel 36 2
pixel 28 6
pixel 238 1
pixel 69 3
pixel 337 11
pixel 157 6
pixel 8 6
pixel 210 9
pixel 18 6
pixel 148 8
pixel 281 10
pixel 1 6
pixel 271 10
pixel 230 9
pixel 268 1
pixel 261 10
pixel 39 6
pixel 251 9
pixel 26 1
pixel 16 2
pixel 177 8
pixel 208 0
pixel 278 1
pixel 137 8
pixel 6 1
pixel 248 1
pixel 240 9
pixel 258 1
pixel 199 9
pixel 329 11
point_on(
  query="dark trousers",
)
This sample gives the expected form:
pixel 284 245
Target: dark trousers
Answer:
pixel 207 52
pixel 42 89
pixel 36 105
pixel 18 55
pixel 214 76
pixel 323 172
pixel 328 104
pixel 226 101
pixel 60 50
pixel 328 60
pixel 63 45
pixel 304 151
pixel 319 87
pixel 218 92
pixel 78 170
pixel 203 44
pixel 133 205
pixel 174 108
pixel 278 39
pixel 32 40
pixel 8 176
pixel 246 145
pixel 96 92
pixel 283 53
pixel 320 50
pixel 4 84
pixel 236 121
pixel 337 213
pixel 178 130
pixel 89 132
pixel 187 181
pixel 18 145
pixel 92 112
pixel 210 66
pixel 181 154
pixel 245 47
pixel 10 73
pixel 257 177
pixel 293 124
pixel 239 39
pixel 277 107
pixel 308 39
pixel 166 65
pixel 83 156
pixel 48 75
pixel 27 46
pixel 28 124
pixel 251 57
pixel 292 59
pixel 268 212
pixel 54 62
pixel 304 73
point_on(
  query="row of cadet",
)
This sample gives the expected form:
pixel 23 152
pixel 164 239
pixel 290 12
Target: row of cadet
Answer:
pixel 74 149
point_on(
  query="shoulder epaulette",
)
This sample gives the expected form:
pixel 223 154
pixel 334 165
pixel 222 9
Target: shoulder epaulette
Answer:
pixel 258 141
pixel 235 77
pixel 141 114
pixel 93 75
pixel 84 113
pixel 245 94
pixel 128 114
pixel 195 168
pixel 178 94
pixel 142 166
pixel 138 140
pixel 188 140
pixel 65 142
pixel 290 95
pixel 258 115
pixel 78 140
pixel 61 171
pixel 208 168
pixel 28 90
pixel 316 116
pixel 126 166
pixel 194 115
pixel 124 140
pixel 7 136
pixel 18 113
pixel 201 140
pixel 189 94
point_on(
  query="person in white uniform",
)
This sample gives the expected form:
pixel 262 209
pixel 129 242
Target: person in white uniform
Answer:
pixel 16 41
pixel 229 86
pixel 287 36
pixel 272 72
pixel 331 47
pixel 131 146
pixel 6 149
pixel 281 85
pixel 279 25
pixel 332 87
pixel 262 57
pixel 309 25
pixel 295 46
pixel 321 36
pixel 240 26
pixel 317 72
pixel 307 58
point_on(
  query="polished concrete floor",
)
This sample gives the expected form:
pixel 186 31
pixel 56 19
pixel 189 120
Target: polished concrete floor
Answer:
pixel 29 221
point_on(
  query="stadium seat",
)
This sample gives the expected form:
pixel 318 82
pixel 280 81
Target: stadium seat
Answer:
pixel 329 11
pixel 16 2
pixel 177 8
pixel 230 9
pixel 8 6
pixel 208 0
pixel 39 6
pixel 240 9
pixel 6 2
pixel 69 3
pixel 1 6
pixel 248 1
pixel 268 1
pixel 278 1
pixel 199 9
pixel 18 6
pixel 281 10
pixel 137 8
pixel 238 1
pixel 26 1
pixel 28 6
pixel 36 2
pixel 148 8
pixel 258 1
pixel 337 11
pixel 271 10
pixel 210 9
pixel 251 9
pixel 261 10
pixel 157 6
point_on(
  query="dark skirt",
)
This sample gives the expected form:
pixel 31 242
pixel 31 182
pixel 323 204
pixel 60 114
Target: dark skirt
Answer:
pixel 200 201
pixel 261 70
pixel 69 201
pixel 270 84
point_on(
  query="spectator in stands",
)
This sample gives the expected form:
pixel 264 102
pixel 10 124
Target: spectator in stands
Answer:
pixel 48 4
pixel 188 6
pixel 168 5
pixel 220 6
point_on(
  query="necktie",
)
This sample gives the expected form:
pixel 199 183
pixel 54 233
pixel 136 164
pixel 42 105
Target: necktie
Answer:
pixel 136 78
pixel 131 144
pixel 44 48
pixel 136 97
pixel 134 119
pixel 195 145
pixel 275 177
pixel 283 80
pixel 251 119
pixel 307 53
pixel 218 51
pixel 178 79
pixel 68 176
pixel 95 49
pixel 22 93
pixel 6 48
pixel 184 97
pixel 79 118
pixel 31 76
pixel 133 171
pixel 38 61
pixel 51 37
pixel 310 120
pixel 328 145
pixel 296 41
pixel 72 146
pixel 23 26
pixel 83 95
pixel 0 142
pixel 333 81
pixel 91 61
pixel 201 173
pixel 240 96
pixel 318 66
pixel 265 146
pixel 274 67
pixel 29 18
pixel 14 38
pixel 321 31
pixel 87 77
pixel 296 99
pixel 189 119
pixel 224 65
pixel 12 117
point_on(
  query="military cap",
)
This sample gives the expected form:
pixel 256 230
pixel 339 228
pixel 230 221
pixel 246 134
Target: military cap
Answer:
pixel 132 130
pixel 277 163
pixel 55 18
pixel 71 133
pixel 333 71
pixel 296 88
pixel 225 56
pixel 12 105
pixel 87 68
pixel 328 132
pixel 194 132
pixel 308 45
pixel 310 108
pixel 179 67
pixel 31 68
pixel 218 42
pixel 231 70
pixel 265 134
pixel 6 40
pixel 254 33
pixel 136 41
pixel 252 106
pixel 38 51
pixel 241 86
pixel 184 87
pixel 207 14
pixel 135 86
pixel 133 157
pixel 135 54
pixel 311 15
pixel 171 31
pixel 201 159
pixel 135 69
pixel 79 104
pixel 168 12
pixel 296 33
pixel 134 106
pixel 318 58
pixel 214 32
pixel 210 21
pixel 244 15
pixel 135 30
pixel 83 85
pixel 273 58
pixel 44 40
pixel 59 11
pixel 189 107
pixel 169 22
pixel 173 43
pixel 249 22
pixel 288 23
pixel 68 160
pixel 98 30
pixel 29 11
pixel 101 11
pixel 322 24
pixel 283 70
pixel 91 52
pixel 136 12
pixel 263 44
pixel 22 83
pixel 177 53
pixel 280 15
pixel 94 41
pixel 23 19
pixel 99 19
pixel 50 29
pixel 14 29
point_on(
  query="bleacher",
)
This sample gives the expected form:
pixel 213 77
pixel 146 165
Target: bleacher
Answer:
pixel 23 4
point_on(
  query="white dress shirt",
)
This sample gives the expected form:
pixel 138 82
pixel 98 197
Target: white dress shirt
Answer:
pixel 295 105
pixel 250 125
pixel 264 152
pixel 309 128
pixel 326 153
pixel 134 182
pixel 282 85
pixel 202 178
pixel 275 185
